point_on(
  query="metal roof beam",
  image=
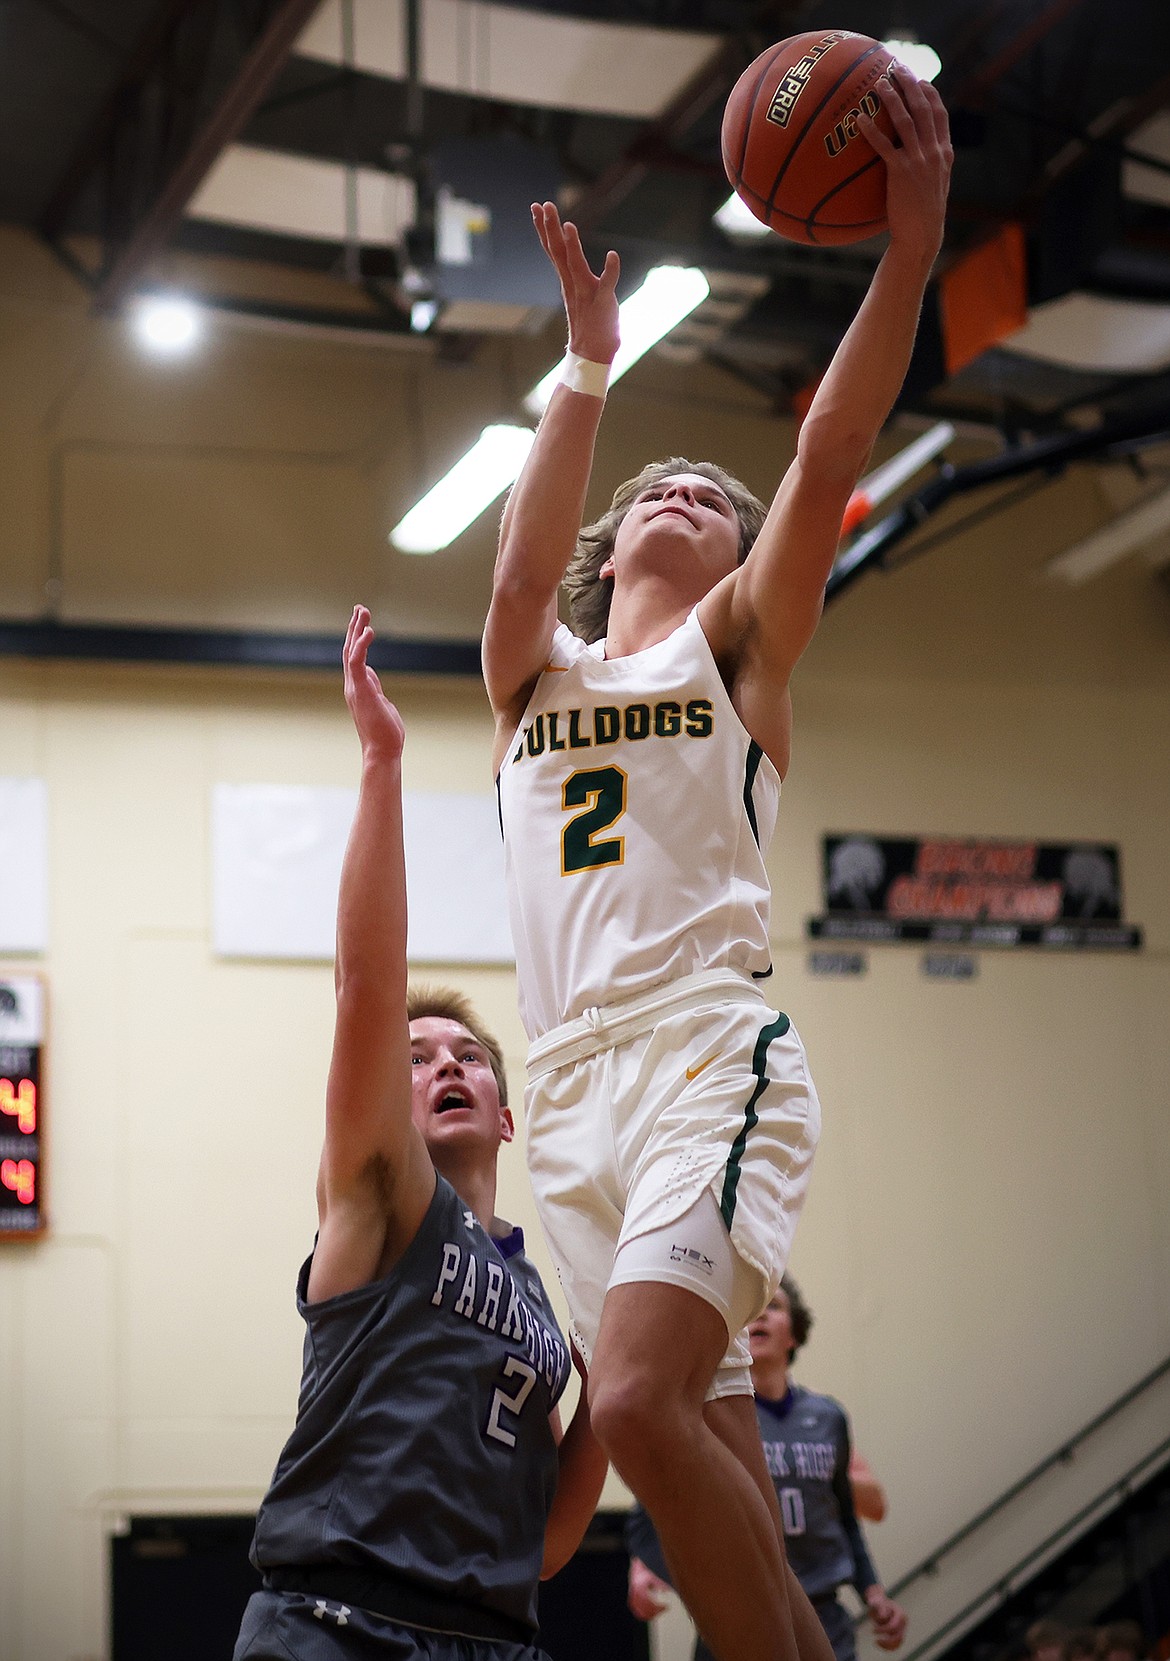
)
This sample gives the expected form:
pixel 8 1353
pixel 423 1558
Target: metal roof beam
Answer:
pixel 156 141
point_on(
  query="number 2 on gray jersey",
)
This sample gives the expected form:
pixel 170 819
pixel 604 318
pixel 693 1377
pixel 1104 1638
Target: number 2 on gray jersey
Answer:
pixel 501 1400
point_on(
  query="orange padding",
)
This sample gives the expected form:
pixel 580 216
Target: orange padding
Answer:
pixel 802 399
pixel 983 297
pixel 860 507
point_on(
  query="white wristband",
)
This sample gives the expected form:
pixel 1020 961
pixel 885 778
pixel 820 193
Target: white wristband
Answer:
pixel 583 375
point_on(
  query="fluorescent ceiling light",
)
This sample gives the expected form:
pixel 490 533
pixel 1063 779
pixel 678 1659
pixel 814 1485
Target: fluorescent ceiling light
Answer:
pixel 880 484
pixel 920 59
pixel 736 220
pixel 1129 530
pixel 166 324
pixel 670 293
pixel 893 474
pixel 489 467
pixel 887 478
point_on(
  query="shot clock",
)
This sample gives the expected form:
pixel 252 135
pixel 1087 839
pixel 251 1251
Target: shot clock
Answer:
pixel 22 1037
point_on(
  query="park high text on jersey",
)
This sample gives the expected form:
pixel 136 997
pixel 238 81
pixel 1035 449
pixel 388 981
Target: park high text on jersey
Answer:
pixel 482 1304
pixel 810 1460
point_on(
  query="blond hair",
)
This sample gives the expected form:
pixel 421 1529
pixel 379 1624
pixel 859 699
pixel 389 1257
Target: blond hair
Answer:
pixel 445 1004
pixel 589 594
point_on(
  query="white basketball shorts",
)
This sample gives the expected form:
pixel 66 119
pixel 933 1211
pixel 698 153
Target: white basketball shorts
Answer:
pixel 635 1110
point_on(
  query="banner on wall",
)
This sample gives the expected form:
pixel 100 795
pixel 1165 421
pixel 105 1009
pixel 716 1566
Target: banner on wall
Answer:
pixel 24 865
pixel 973 892
pixel 276 865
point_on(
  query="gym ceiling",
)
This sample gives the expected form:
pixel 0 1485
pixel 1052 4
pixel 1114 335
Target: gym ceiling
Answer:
pixel 332 161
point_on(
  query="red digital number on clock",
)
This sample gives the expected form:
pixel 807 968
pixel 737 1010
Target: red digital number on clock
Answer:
pixel 21 1176
pixel 20 1103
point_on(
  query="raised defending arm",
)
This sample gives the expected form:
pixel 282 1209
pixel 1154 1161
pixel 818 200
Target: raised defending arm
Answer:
pixel 375 1178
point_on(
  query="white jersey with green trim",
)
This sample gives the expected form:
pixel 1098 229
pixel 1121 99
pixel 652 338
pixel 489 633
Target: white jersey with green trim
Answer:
pixel 636 809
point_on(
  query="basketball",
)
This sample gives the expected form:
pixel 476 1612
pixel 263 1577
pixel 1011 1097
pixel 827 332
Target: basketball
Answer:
pixel 790 140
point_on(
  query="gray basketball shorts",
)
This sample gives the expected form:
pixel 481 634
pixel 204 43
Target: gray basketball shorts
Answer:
pixel 292 1626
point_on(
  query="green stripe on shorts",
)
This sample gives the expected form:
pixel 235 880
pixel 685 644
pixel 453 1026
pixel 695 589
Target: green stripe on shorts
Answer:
pixel 776 1029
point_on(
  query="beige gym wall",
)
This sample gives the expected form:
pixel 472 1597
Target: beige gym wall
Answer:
pixel 987 1245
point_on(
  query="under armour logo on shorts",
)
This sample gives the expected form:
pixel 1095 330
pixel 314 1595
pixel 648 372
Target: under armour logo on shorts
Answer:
pixel 341 1615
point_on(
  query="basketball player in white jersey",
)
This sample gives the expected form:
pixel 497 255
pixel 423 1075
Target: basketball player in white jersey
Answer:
pixel 671 1120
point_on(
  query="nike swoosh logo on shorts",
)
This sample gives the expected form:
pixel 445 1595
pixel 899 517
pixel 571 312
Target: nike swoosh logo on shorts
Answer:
pixel 693 1072
pixel 555 669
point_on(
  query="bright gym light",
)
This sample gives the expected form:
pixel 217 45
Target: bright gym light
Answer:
pixel 920 59
pixel 477 478
pixel 166 324
pixel 737 221
pixel 669 293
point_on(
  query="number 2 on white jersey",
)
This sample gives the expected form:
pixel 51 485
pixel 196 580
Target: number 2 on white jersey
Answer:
pixel 601 791
pixel 501 1400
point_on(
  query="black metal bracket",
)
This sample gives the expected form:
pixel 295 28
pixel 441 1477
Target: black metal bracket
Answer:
pixel 1111 440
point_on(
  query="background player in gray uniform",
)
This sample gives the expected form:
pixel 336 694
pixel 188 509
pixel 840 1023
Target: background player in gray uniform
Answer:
pixel 807 1447
pixel 407 1515
pixel 677 550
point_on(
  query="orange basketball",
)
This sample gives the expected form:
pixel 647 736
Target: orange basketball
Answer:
pixel 791 144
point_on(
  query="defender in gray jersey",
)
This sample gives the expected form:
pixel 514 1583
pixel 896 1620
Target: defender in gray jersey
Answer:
pixel 807 1449
pixel 422 1493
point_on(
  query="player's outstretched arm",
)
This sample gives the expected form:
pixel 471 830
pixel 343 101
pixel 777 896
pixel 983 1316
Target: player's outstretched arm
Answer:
pixel 774 602
pixel 581 1468
pixel 539 529
pixel 375 1179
